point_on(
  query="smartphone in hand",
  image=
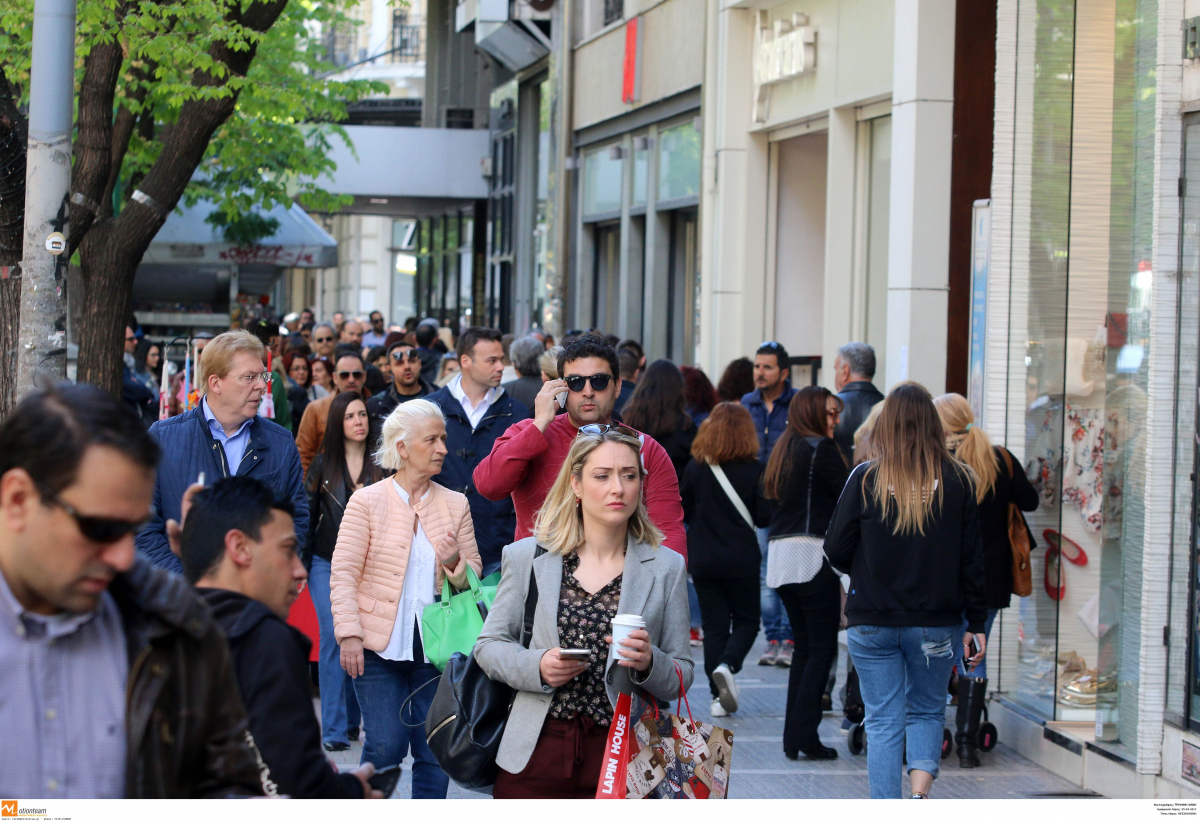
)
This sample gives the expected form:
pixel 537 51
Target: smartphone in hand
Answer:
pixel 385 780
pixel 575 655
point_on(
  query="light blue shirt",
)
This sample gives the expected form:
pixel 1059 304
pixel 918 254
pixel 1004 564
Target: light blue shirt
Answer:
pixel 235 446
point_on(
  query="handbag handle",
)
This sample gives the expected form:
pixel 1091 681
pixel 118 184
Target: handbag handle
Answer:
pixel 474 586
pixel 683 696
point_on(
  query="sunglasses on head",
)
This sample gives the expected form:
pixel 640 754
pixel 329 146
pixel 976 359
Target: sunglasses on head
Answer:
pixel 97 528
pixel 599 430
pixel 599 382
pixel 411 355
pixel 348 374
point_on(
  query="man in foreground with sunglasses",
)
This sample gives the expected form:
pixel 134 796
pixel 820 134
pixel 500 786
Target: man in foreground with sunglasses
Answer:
pixel 404 363
pixel 525 461
pixel 349 374
pixel 223 436
pixel 117 682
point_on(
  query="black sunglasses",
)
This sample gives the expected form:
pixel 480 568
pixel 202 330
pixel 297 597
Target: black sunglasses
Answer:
pixel 599 430
pixel 323 339
pixel 348 374
pixel 99 529
pixel 599 382
pixel 410 355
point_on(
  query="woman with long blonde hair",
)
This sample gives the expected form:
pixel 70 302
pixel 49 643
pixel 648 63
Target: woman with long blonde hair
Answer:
pixel 999 481
pixel 595 555
pixel 906 529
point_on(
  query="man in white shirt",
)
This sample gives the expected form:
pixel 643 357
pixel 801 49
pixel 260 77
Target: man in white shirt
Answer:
pixel 477 412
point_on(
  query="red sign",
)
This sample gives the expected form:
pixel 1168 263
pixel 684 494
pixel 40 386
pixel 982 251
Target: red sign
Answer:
pixel 631 85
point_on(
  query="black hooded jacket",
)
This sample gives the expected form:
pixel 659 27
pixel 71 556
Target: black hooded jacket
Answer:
pixel 270 662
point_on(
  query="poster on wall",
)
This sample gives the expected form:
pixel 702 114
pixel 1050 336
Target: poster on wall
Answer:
pixel 1191 763
pixel 981 246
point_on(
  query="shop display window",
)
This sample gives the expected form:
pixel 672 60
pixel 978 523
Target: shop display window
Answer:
pixel 678 162
pixel 601 182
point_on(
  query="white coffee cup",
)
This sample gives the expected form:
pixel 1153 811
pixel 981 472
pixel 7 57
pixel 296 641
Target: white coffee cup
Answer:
pixel 622 625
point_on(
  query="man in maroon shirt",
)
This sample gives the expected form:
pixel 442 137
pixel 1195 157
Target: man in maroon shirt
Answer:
pixel 526 459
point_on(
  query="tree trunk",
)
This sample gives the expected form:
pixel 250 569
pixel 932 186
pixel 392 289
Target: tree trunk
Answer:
pixel 12 228
pixel 109 266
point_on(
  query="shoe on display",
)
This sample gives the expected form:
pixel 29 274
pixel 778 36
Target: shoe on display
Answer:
pixel 726 688
pixel 768 658
pixel 786 650
pixel 717 710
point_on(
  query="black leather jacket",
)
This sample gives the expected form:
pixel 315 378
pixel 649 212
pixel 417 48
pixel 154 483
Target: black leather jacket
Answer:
pixel 186 730
pixel 859 398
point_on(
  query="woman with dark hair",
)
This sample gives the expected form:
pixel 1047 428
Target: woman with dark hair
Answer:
pixel 906 529
pixel 656 409
pixel 322 376
pixel 340 468
pixel 699 395
pixel 300 387
pixel 737 381
pixel 805 476
pixel 148 365
pixel 723 503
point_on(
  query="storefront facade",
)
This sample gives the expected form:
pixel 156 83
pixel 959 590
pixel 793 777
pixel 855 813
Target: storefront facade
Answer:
pixel 1090 378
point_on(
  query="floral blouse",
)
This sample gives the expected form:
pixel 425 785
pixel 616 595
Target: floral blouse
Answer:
pixel 583 622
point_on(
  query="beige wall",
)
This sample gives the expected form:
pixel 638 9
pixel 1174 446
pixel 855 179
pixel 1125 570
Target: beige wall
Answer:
pixel 672 54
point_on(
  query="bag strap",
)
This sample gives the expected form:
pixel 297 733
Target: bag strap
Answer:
pixel 732 494
pixel 531 600
pixel 1007 461
pixel 808 504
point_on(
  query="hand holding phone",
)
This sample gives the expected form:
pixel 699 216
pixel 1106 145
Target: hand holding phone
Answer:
pixel 385 780
pixel 575 655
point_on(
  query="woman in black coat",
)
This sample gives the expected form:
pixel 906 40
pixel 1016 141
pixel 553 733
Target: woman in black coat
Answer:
pixel 723 553
pixel 1000 481
pixel 804 476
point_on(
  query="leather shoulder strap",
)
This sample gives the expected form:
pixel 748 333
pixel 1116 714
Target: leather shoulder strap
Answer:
pixel 727 486
pixel 1007 461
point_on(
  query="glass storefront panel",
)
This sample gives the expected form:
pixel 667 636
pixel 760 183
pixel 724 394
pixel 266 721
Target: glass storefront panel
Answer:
pixel 1079 347
pixel 641 174
pixel 601 182
pixel 678 162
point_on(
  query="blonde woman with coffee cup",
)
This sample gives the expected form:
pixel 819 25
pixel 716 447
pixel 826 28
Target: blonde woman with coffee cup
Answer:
pixel 602 573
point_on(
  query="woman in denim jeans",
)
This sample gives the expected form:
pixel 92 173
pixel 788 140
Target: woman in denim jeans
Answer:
pixel 906 529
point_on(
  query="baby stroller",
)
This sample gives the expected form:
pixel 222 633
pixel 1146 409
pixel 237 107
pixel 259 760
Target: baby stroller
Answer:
pixel 855 712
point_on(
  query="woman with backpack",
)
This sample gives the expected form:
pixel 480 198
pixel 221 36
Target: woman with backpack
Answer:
pixel 722 505
pixel 1000 482
pixel 804 476
pixel 906 529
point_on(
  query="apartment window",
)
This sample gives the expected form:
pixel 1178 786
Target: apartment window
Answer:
pixel 614 10
pixel 339 43
pixel 406 38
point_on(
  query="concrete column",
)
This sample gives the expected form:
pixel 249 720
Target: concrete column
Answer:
pixel 837 310
pixel 919 220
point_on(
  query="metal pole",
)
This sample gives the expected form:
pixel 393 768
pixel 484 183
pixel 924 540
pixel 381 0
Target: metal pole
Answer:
pixel 42 348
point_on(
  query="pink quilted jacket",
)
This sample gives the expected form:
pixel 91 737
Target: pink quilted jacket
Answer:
pixel 367 573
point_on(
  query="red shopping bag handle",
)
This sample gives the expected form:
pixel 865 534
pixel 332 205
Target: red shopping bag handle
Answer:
pixel 683 697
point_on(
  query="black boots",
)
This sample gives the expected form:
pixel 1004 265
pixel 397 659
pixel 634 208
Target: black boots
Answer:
pixel 971 694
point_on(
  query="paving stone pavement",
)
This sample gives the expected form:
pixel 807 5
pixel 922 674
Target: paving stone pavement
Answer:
pixel 760 769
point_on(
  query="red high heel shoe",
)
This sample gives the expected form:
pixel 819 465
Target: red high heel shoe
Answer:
pixel 1055 592
pixel 1056 540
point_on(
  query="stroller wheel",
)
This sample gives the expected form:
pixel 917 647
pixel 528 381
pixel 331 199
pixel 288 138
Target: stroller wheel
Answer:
pixel 857 740
pixel 947 742
pixel 987 736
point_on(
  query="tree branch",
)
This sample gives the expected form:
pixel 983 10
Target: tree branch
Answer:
pixel 94 144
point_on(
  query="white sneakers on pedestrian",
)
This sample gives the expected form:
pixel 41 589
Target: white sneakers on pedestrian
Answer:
pixel 717 710
pixel 727 693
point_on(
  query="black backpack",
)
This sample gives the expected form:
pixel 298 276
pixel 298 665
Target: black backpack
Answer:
pixel 466 719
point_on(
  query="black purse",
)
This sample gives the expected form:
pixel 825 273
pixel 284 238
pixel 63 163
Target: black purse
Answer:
pixel 466 719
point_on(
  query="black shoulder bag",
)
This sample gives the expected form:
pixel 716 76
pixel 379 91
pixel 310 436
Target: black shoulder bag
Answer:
pixel 466 719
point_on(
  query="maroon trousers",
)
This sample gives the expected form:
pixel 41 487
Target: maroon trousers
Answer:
pixel 565 763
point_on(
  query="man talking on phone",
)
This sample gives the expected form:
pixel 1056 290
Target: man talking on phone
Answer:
pixel 526 459
pixel 238 546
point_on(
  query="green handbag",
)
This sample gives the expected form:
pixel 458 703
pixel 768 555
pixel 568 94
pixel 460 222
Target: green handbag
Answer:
pixel 453 624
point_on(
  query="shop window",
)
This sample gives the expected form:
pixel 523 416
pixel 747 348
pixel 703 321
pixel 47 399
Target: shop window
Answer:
pixel 606 275
pixel 404 270
pixel 641 171
pixel 683 288
pixel 678 163
pixel 602 171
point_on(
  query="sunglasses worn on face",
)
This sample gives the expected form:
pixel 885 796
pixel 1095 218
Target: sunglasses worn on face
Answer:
pixel 323 339
pixel 599 382
pixel 99 529
pixel 344 375
pixel 600 430
pixel 410 355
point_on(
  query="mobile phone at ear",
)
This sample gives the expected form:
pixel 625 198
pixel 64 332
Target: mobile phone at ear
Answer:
pixel 385 780
pixel 561 398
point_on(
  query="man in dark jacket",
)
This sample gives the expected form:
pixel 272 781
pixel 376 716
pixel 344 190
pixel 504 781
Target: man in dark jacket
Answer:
pixel 117 683
pixel 407 383
pixel 853 370
pixel 239 548
pixel 224 436
pixel 768 405
pixel 478 412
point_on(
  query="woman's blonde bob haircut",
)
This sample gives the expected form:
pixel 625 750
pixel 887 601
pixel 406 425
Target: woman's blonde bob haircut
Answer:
pixel 217 357
pixel 399 427
pixel 559 524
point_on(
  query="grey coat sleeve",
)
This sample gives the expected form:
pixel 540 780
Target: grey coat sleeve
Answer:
pixel 498 649
pixel 674 647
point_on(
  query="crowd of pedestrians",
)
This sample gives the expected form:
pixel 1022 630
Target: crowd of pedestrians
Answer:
pixel 362 470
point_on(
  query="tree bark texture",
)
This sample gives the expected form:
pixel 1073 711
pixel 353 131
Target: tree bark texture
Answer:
pixel 13 137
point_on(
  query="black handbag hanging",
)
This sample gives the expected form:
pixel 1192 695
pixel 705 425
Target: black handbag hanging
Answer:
pixel 466 719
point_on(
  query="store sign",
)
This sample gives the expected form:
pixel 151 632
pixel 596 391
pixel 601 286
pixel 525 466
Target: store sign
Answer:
pixel 631 76
pixel 784 49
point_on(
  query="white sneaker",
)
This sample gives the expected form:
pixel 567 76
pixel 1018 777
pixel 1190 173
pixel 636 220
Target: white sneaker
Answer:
pixel 726 688
pixel 717 710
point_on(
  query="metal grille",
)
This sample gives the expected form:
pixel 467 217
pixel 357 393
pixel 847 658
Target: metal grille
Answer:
pixel 406 38
pixel 614 10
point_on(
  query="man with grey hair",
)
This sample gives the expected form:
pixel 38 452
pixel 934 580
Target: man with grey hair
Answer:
pixel 853 370
pixel 525 353
pixel 324 339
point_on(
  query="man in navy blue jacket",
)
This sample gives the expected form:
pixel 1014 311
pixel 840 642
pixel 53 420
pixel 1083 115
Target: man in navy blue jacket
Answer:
pixel 768 406
pixel 224 436
pixel 477 412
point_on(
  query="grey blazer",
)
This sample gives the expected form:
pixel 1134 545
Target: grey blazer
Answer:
pixel 654 586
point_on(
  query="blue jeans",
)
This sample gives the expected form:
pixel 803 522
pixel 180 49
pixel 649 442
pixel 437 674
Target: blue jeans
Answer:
pixel 382 689
pixel 981 670
pixel 776 626
pixel 339 707
pixel 903 673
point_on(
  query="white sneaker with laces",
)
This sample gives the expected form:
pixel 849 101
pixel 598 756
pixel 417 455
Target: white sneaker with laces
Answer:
pixel 727 692
pixel 717 710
